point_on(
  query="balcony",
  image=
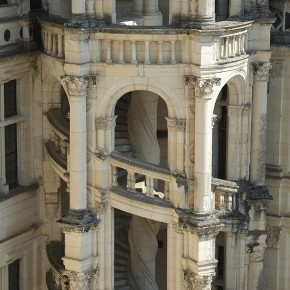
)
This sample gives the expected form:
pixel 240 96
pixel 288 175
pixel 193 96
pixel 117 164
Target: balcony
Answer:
pixel 120 44
pixel 230 202
pixel 55 279
pixel 58 146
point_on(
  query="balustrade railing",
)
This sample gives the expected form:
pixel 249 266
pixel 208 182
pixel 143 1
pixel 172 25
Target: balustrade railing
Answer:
pixel 53 40
pixel 136 48
pixel 227 195
pixel 231 46
pixel 157 180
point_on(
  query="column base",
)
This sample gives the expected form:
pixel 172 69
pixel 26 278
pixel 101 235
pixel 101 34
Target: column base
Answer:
pixel 85 21
pixel 79 221
pixel 205 23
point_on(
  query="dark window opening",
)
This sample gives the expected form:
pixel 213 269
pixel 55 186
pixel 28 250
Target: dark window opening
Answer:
pixel 14 275
pixel 65 109
pixel 10 108
pixel 221 9
pixel 3 2
pixel 220 264
pixel 11 155
pixel 35 4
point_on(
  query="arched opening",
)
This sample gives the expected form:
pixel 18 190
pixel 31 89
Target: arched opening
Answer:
pixel 219 144
pixel 141 127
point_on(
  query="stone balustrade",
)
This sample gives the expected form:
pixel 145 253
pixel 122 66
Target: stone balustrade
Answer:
pixel 231 46
pixel 53 39
pixel 227 195
pixel 54 277
pixel 154 176
pixel 136 48
pixel 58 145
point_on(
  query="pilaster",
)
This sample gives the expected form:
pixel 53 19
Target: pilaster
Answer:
pixel 259 121
pixel 202 89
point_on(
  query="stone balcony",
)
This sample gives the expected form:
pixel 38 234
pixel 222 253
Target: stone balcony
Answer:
pixel 55 279
pixel 120 44
pixel 58 146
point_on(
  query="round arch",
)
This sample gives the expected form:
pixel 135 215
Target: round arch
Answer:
pixel 122 87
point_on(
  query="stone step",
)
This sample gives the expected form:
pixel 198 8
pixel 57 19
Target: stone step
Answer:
pixel 120 268
pixel 123 287
pixel 121 113
pixel 121 282
pixel 121 134
pixel 120 275
pixel 122 121
pixel 122 105
pixel 121 254
pixel 122 245
pixel 122 141
pixel 121 260
pixel 123 148
pixel 122 128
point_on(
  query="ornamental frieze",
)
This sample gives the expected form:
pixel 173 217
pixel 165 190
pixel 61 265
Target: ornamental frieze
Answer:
pixel 200 87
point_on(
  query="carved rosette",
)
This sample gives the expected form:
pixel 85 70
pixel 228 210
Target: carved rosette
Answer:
pixel 261 71
pixel 200 87
pixel 273 237
pixel 191 281
pixel 79 86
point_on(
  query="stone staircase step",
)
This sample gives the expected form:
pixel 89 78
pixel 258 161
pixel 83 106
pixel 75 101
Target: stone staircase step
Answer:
pixel 121 134
pixel 121 260
pixel 121 112
pixel 122 141
pixel 120 268
pixel 120 275
pixel 121 282
pixel 123 287
pixel 122 128
pixel 122 245
pixel 122 120
pixel 122 148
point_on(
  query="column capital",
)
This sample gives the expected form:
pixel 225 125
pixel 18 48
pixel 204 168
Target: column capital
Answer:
pixel 178 124
pixel 79 86
pixel 261 70
pixel 201 87
pixel 82 280
pixel 197 282
pixel 273 237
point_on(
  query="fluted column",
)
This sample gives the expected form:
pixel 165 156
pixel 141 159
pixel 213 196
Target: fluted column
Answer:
pixel 202 90
pixel 259 122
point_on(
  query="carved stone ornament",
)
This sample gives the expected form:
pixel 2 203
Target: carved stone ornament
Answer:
pixel 101 123
pixel 273 237
pixel 79 221
pixel 201 87
pixel 82 281
pixel 103 205
pixel 191 281
pixel 180 125
pixel 79 86
pixel 181 180
pixel 261 71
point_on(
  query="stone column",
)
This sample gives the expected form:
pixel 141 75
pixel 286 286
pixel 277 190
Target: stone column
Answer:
pixel 138 7
pixel 77 89
pixel 259 122
pixel 202 90
pixel 201 12
pixel 78 6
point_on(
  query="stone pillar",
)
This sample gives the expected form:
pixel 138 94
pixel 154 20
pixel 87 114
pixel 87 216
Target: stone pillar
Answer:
pixel 259 122
pixel 77 89
pixel 198 257
pixel 143 250
pixel 202 90
pixel 201 12
pixel 78 6
pixel 142 126
pixel 138 7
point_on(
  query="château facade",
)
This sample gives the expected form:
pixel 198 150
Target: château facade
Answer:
pixel 144 144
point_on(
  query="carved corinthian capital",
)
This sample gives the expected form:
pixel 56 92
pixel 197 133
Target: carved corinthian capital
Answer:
pixel 191 281
pixel 200 87
pixel 261 70
pixel 273 237
pixel 79 86
pixel 78 281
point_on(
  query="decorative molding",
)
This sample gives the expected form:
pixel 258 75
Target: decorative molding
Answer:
pixel 273 237
pixel 261 70
pixel 82 280
pixel 192 281
pixel 278 68
pixel 200 87
pixel 79 86
pixel 101 123
pixel 79 221
pixel 104 204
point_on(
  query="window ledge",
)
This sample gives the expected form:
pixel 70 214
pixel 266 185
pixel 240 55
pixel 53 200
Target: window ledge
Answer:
pixel 17 191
